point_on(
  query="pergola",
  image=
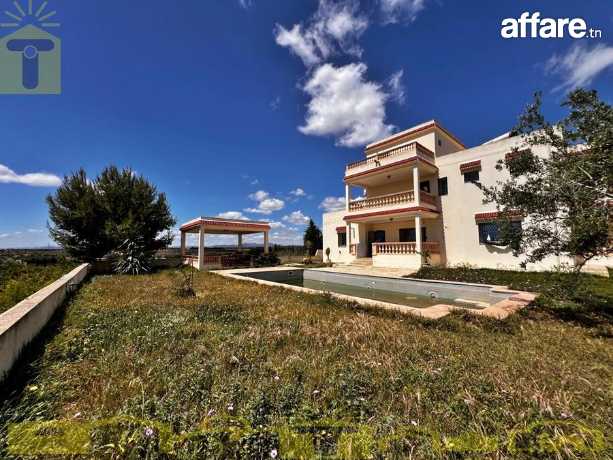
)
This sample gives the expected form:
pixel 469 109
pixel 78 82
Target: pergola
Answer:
pixel 218 226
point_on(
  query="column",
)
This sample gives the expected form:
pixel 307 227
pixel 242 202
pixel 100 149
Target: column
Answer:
pixel 265 242
pixel 240 241
pixel 418 233
pixel 183 243
pixel 201 247
pixel 347 196
pixel 416 184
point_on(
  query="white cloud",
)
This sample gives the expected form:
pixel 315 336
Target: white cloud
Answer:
pixel 332 203
pixel 245 4
pixel 397 90
pixel 580 65
pixel 276 224
pixel 345 105
pixel 298 192
pixel 8 176
pixel 394 11
pixel 335 25
pixel 297 218
pixel 266 204
pixel 275 104
pixel 232 215
pixel 29 238
pixel 260 195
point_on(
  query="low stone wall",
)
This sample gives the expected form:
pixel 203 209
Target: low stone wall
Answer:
pixel 23 322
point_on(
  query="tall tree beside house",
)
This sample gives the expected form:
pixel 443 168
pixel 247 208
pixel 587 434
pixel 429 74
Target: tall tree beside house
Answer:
pixel 313 239
pixel 93 218
pixel 565 198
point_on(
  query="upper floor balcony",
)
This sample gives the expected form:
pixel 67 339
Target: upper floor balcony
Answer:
pixel 396 156
pixel 392 202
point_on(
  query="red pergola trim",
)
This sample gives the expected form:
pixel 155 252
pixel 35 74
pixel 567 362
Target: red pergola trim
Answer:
pixel 341 229
pixel 261 226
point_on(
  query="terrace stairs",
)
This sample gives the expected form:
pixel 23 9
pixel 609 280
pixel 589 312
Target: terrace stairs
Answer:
pixel 362 262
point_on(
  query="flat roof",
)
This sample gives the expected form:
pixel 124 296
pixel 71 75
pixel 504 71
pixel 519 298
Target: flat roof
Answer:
pixel 414 130
pixel 220 225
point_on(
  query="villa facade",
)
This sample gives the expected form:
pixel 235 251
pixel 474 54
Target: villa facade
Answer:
pixel 419 205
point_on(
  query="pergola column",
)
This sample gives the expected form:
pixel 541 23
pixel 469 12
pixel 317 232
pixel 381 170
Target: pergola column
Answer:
pixel 240 241
pixel 183 243
pixel 201 247
pixel 347 200
pixel 266 242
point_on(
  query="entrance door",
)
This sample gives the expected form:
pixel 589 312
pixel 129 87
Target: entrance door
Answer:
pixel 378 236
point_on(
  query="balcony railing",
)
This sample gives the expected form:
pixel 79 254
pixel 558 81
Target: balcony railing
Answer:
pixel 391 199
pixel 382 159
pixel 383 200
pixel 403 248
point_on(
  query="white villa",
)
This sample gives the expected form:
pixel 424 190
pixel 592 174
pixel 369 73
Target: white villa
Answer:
pixel 419 205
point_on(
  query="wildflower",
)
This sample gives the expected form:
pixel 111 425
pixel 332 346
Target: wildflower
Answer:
pixel 230 407
pixel 149 432
pixel 413 422
pixel 276 377
pixel 210 413
pixel 273 453
pixel 316 392
pixel 77 415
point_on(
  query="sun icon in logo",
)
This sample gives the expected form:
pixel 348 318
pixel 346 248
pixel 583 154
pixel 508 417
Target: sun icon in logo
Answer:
pixel 36 16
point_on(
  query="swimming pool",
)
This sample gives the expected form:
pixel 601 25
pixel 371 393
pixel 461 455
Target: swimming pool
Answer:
pixel 411 292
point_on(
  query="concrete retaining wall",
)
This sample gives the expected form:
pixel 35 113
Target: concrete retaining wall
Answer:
pixel 23 322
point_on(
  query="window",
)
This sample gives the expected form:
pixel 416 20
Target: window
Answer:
pixel 425 186
pixel 407 235
pixel 442 186
pixel 489 233
pixel 439 143
pixel 471 176
pixel 342 240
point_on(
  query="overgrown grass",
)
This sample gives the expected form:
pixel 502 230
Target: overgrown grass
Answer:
pixel 21 278
pixel 246 371
pixel 586 299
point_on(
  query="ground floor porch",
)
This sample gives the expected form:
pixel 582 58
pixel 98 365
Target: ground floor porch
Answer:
pixel 406 242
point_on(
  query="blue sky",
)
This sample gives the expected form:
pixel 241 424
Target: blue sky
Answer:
pixel 253 107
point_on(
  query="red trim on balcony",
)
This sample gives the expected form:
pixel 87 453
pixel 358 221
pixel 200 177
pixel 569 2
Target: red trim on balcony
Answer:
pixel 471 166
pixel 393 211
pixel 398 136
pixel 391 165
pixel 341 229
pixel 494 215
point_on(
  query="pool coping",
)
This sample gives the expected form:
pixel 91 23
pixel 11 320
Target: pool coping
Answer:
pixel 500 310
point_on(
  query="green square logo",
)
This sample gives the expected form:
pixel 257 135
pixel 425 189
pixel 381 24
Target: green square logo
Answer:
pixel 30 57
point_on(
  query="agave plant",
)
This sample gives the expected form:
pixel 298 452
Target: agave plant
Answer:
pixel 132 259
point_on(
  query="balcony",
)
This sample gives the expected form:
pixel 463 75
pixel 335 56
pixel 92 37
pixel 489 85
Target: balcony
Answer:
pixel 389 158
pixel 392 202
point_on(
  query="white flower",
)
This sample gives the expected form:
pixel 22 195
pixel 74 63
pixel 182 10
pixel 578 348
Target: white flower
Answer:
pixel 230 407
pixel 413 422
pixel 276 377
pixel 148 432
pixel 273 453
pixel 210 413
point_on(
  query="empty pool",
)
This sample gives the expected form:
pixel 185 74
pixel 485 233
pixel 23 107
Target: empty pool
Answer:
pixel 403 291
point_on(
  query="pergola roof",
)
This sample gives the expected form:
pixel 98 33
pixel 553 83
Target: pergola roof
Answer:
pixel 218 225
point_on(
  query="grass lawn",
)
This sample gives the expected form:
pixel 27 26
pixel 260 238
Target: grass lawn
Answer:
pixel 20 279
pixel 250 371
